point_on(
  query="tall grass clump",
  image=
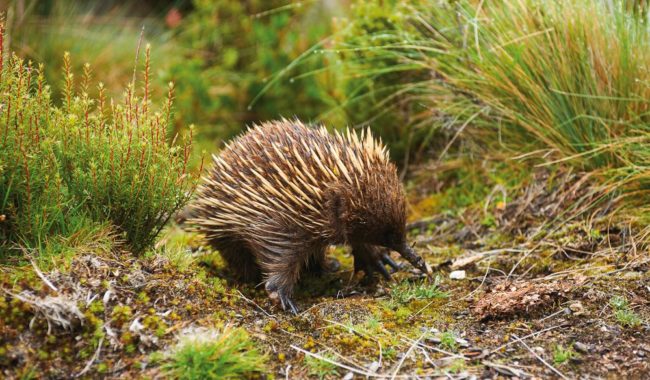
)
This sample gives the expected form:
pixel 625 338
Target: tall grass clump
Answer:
pixel 568 79
pixel 90 161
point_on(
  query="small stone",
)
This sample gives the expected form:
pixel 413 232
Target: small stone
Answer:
pixel 348 376
pixel 577 308
pixel 539 350
pixel 462 342
pixel 433 340
pixel 457 275
pixel 581 347
pixel 373 367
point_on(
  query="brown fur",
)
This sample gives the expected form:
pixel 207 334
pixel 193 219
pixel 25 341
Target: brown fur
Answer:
pixel 281 193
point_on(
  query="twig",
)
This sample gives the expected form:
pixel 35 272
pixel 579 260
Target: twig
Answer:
pixel 41 275
pixel 92 360
pixel 408 352
pixel 525 337
pixel 449 354
pixel 254 304
pixel 540 358
pixel 341 365
pixel 481 284
pixel 286 372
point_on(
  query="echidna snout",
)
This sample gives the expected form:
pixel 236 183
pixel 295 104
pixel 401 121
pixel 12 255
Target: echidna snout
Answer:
pixel 281 193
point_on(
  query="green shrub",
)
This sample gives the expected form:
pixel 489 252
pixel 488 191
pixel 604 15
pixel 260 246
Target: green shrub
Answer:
pixel 238 66
pixel 88 161
pixel 378 86
pixel 208 355
pixel 406 291
pixel 562 355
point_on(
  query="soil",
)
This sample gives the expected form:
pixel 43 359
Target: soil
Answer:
pixel 536 300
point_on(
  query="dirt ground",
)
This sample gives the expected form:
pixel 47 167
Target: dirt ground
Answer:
pixel 515 295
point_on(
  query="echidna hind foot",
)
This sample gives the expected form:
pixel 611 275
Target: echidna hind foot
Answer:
pixel 240 261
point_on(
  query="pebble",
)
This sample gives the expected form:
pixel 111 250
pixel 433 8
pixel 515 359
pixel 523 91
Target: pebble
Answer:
pixel 348 376
pixel 457 275
pixel 462 342
pixel 581 347
pixel 577 308
pixel 373 367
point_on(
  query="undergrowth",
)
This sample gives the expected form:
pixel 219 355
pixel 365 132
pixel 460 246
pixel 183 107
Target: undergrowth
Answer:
pixel 551 83
pixel 211 355
pixel 624 315
pixel 406 291
pixel 92 161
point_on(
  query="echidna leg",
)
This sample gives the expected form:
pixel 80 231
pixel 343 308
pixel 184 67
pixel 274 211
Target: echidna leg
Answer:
pixel 239 259
pixel 371 259
pixel 282 278
pixel 319 263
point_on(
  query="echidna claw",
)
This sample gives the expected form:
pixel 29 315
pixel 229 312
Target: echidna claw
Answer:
pixel 287 303
pixel 279 294
pixel 390 262
pixel 379 264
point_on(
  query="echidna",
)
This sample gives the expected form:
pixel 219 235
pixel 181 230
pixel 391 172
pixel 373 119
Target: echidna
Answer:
pixel 281 193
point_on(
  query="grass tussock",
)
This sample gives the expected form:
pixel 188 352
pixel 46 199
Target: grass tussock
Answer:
pixel 208 354
pixel 563 82
pixel 91 161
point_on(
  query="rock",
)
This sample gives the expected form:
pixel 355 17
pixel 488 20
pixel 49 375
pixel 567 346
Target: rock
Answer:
pixel 348 376
pixel 434 340
pixel 373 367
pixel 581 347
pixel 462 342
pixel 577 308
pixel 457 275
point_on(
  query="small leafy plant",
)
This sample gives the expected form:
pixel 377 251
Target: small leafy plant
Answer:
pixel 448 340
pixel 207 354
pixel 320 368
pixel 623 313
pixel 562 355
pixel 406 291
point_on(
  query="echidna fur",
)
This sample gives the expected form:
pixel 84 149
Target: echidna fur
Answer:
pixel 281 193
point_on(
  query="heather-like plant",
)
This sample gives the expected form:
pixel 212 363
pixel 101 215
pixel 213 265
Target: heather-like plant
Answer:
pixel 33 201
pixel 90 159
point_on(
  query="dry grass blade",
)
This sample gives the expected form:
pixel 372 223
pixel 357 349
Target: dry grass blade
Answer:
pixel 61 311
pixel 555 370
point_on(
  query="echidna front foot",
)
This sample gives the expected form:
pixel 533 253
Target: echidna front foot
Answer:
pixel 371 259
pixel 390 262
